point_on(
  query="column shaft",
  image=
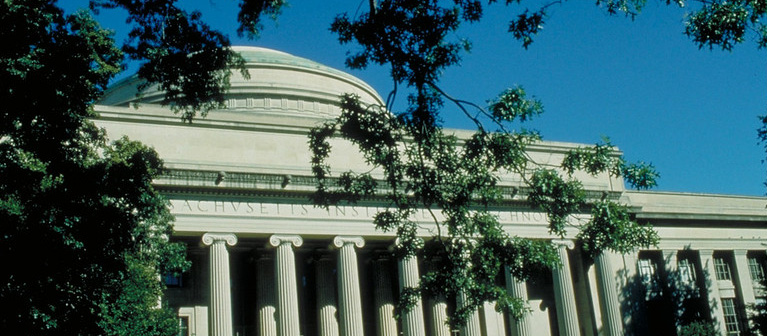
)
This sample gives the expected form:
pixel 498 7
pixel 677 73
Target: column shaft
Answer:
pixel 670 264
pixel 437 308
pixel 564 295
pixel 493 320
pixel 326 297
pixel 386 324
pixel 518 289
pixel 439 324
pixel 220 290
pixel 412 321
pixel 745 285
pixel 267 324
pixel 285 282
pixel 712 288
pixel 350 301
pixel 472 326
pixel 611 312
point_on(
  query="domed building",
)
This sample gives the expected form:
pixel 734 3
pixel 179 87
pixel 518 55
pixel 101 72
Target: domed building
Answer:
pixel 266 262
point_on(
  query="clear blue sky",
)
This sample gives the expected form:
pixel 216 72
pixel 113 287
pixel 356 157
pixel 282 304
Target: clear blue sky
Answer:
pixel 690 112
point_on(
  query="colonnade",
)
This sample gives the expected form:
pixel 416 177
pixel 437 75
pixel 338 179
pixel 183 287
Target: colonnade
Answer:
pixel 339 301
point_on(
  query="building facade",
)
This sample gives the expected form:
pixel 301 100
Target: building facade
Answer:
pixel 266 262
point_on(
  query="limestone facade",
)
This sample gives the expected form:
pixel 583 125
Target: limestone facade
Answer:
pixel 266 262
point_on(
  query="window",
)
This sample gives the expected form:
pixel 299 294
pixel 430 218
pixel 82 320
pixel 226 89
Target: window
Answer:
pixel 648 271
pixel 730 317
pixel 722 268
pixel 756 268
pixel 686 271
pixel 183 326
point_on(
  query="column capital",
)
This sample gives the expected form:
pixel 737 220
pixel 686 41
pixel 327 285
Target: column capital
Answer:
pixel 563 243
pixel 277 240
pixel 211 237
pixel 340 241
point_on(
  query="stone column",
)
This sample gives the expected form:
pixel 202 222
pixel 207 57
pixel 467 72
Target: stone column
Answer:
pixel 564 295
pixel 267 324
pixel 745 284
pixel 611 309
pixel 409 276
pixel 327 322
pixel 437 308
pixel 670 264
pixel 518 289
pixel 439 324
pixel 712 288
pixel 472 326
pixel 220 290
pixel 386 324
pixel 349 285
pixel 285 282
pixel 493 321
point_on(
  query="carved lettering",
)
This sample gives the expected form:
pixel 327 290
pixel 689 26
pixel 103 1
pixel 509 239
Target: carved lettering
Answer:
pixel 219 206
pixel 340 211
pixel 257 209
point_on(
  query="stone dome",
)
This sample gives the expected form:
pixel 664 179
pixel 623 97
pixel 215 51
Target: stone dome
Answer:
pixel 279 83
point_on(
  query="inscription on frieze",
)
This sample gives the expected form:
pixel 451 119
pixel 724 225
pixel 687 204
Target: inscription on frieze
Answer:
pixel 267 209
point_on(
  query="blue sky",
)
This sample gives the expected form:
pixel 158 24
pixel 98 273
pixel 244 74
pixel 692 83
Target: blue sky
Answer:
pixel 690 112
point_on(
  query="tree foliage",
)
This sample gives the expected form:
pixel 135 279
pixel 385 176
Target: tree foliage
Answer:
pixel 419 165
pixel 190 62
pixel 698 328
pixel 423 167
pixel 83 233
pixel 757 316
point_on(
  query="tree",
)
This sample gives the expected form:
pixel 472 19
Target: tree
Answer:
pixel 84 234
pixel 758 314
pixel 698 328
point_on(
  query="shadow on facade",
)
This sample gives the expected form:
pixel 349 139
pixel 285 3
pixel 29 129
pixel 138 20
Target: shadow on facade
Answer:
pixel 664 299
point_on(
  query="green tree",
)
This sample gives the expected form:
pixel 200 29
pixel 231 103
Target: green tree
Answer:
pixel 83 233
pixel 758 314
pixel 698 328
